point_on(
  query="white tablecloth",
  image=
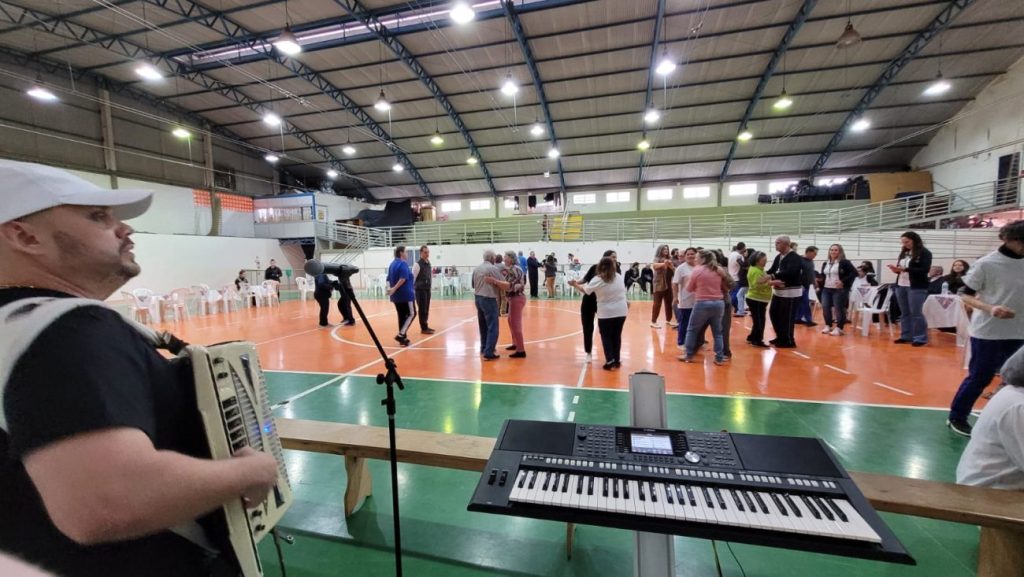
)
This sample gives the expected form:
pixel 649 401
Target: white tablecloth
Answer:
pixel 860 295
pixel 946 311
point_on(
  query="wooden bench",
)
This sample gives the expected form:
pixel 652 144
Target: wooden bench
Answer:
pixel 1000 514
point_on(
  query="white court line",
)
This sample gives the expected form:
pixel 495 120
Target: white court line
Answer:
pixel 839 370
pixel 572 416
pixel 307 392
pixel 361 367
pixel 900 391
pixel 576 400
pixel 848 348
pixel 583 373
pixel 685 394
pixel 801 355
pixel 290 336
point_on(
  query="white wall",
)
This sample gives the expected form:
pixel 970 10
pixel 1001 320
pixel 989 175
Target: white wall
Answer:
pixel 341 207
pixel 967 151
pixel 180 261
pixel 172 212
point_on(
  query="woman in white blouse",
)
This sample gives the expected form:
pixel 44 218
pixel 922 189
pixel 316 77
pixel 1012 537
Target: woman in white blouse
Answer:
pixel 839 274
pixel 612 307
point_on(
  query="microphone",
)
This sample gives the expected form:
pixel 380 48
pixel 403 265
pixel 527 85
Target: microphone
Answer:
pixel 315 267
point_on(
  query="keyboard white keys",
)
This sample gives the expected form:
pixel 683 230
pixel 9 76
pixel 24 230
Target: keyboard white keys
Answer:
pixel 721 505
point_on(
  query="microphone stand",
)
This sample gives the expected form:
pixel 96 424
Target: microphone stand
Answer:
pixel 390 379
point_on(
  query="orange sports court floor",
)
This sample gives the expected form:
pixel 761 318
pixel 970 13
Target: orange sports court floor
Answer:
pixel 851 368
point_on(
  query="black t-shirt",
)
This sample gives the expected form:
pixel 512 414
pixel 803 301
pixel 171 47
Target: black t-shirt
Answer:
pixel 90 371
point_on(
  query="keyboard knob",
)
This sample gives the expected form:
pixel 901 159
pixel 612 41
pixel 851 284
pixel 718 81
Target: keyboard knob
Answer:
pixel 691 457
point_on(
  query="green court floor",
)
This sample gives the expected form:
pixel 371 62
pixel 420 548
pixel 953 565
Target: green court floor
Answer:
pixel 441 538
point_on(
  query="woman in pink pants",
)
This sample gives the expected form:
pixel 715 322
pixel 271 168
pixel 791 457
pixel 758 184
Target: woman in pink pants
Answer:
pixel 513 285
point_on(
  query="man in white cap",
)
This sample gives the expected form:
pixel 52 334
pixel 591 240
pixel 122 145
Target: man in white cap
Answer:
pixel 100 445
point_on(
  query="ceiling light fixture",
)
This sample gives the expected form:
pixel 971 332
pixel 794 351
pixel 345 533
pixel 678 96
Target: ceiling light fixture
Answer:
pixel 666 66
pixel 644 144
pixel 332 173
pixel 348 149
pixel 939 86
pixel 652 115
pixel 148 72
pixel 437 139
pixel 462 13
pixel 398 167
pixel 509 87
pixel 783 102
pixel 272 158
pixel 745 135
pixel 41 94
pixel 547 174
pixel 382 103
pixel 554 153
pixel 287 42
pixel 271 119
pixel 181 132
pixel 471 160
pixel 861 125
pixel 537 129
pixel 849 37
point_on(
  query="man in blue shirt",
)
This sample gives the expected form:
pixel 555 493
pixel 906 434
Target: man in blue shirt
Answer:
pixel 402 294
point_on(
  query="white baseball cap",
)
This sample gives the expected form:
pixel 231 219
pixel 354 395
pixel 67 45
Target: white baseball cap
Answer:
pixel 27 188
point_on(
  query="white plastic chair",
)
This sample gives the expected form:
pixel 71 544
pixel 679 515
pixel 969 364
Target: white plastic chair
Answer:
pixel 208 299
pixel 305 287
pixel 873 307
pixel 232 298
pixel 270 292
pixel 178 303
pixel 380 285
pixel 138 311
pixel 145 298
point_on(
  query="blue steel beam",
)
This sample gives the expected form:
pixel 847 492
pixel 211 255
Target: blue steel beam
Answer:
pixel 357 11
pixel 538 84
pixel 940 23
pixel 226 26
pixel 787 39
pixel 66 29
pixel 659 21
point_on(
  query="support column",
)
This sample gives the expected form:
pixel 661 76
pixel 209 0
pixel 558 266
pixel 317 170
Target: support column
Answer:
pixel 208 157
pixel 107 126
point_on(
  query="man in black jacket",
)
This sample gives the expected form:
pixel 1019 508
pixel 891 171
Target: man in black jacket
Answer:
pixel 273 272
pixel 804 316
pixel 422 275
pixel 786 274
pixel 533 265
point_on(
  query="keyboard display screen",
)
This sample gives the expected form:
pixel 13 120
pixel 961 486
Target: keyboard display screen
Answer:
pixel 650 443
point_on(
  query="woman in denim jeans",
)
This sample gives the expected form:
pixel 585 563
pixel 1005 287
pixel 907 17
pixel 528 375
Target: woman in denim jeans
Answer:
pixel 706 283
pixel 912 288
pixel 835 294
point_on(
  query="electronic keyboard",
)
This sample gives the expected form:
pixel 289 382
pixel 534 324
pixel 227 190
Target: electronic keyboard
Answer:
pixel 787 492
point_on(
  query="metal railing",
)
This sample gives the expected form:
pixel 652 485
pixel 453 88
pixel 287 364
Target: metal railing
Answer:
pixel 932 207
pixel 928 207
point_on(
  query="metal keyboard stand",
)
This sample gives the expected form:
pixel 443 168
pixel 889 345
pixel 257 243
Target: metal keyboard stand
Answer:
pixel 654 552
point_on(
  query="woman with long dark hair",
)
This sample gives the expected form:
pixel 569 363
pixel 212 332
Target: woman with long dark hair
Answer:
pixel 661 293
pixel 838 273
pixel 612 308
pixel 911 270
pixel 955 279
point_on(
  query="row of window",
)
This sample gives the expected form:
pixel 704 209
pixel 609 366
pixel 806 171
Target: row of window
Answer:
pixel 653 194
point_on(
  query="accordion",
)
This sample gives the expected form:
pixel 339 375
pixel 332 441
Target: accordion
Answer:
pixel 232 398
